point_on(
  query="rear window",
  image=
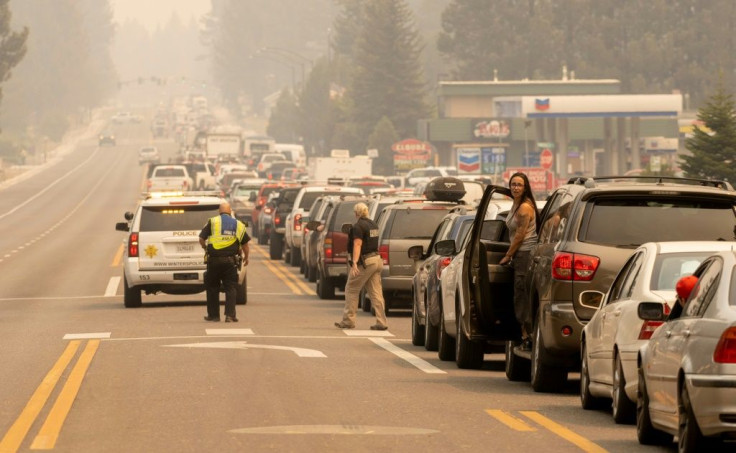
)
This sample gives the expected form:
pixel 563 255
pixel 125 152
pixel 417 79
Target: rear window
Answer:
pixel 630 222
pixel 309 197
pixel 668 268
pixel 344 214
pixel 176 218
pixel 416 223
pixel 169 173
pixel 245 191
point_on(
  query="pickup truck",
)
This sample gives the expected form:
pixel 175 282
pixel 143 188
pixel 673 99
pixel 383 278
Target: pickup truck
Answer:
pixel 163 178
pixel 203 175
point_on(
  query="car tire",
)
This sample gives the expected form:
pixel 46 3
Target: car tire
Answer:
pixel 131 296
pixel 312 274
pixel 431 333
pixel 275 248
pixel 545 378
pixel 325 288
pixel 262 238
pixel 468 354
pixel 518 369
pixel 241 294
pixel 417 330
pixel 624 410
pixel 365 302
pixel 587 400
pixel 690 437
pixel 446 346
pixel 295 256
pixel 645 431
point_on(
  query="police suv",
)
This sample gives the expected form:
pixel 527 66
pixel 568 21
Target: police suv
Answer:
pixel 162 251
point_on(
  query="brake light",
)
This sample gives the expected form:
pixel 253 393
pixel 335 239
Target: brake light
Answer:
pixel 443 263
pixel 726 349
pixel 133 245
pixel 185 184
pixel 328 247
pixel 577 267
pixel 261 201
pixel 648 328
pixel 276 218
pixel 297 222
pixel 267 210
pixel 149 184
pixel 383 251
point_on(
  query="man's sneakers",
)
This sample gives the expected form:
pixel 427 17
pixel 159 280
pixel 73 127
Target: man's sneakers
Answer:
pixel 212 318
pixel 342 325
pixel 379 327
pixel 231 319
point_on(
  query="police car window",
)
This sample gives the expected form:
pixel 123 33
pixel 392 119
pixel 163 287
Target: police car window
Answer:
pixel 415 223
pixel 704 290
pixel 176 218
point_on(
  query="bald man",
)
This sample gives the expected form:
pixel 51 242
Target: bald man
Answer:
pixel 224 238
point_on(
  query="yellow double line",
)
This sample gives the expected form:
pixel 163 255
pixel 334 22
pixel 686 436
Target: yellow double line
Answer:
pixel 518 424
pixel 294 283
pixel 49 432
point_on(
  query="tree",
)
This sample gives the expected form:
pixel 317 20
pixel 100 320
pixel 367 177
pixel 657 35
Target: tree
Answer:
pixel 382 138
pixel 387 78
pixel 713 152
pixel 12 44
pixel 284 120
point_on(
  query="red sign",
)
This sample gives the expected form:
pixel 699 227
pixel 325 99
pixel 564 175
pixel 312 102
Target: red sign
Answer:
pixel 411 153
pixel 540 180
pixel 546 159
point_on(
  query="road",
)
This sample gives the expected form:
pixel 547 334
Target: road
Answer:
pixel 82 373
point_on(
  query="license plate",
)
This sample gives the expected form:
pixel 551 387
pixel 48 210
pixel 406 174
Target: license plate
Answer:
pixel 186 276
pixel 185 248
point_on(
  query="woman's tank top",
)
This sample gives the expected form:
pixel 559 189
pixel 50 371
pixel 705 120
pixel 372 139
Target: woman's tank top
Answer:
pixel 530 236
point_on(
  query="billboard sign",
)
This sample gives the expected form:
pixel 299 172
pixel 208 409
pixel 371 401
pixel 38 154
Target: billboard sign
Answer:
pixel 410 154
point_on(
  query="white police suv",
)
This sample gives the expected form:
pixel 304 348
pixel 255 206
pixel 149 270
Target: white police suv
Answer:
pixel 162 251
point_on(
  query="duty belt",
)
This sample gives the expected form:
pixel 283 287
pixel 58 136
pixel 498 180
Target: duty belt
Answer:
pixel 368 255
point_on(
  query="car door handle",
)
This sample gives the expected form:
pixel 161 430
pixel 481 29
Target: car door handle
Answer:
pixel 686 333
pixel 667 333
pixel 617 313
pixel 536 259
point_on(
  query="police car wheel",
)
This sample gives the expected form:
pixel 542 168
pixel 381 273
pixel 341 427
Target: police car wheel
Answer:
pixel 241 295
pixel 131 296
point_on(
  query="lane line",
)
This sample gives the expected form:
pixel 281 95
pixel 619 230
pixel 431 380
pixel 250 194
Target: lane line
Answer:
pixel 112 287
pixel 509 420
pixel 49 433
pixel 411 358
pixel 580 441
pixel 229 331
pixel 7 299
pixel 15 435
pixel 283 278
pixel 286 272
pixel 86 336
pixel 116 261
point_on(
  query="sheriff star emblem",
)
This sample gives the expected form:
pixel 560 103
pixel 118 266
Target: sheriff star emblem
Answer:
pixel 151 251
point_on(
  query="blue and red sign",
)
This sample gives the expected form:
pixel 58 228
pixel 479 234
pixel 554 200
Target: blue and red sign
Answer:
pixel 541 104
pixel 468 160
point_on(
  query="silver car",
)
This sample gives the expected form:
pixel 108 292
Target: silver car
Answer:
pixel 687 370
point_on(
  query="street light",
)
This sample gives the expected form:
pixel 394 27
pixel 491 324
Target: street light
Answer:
pixel 301 59
pixel 289 64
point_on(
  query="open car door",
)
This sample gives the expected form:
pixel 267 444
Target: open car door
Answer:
pixel 488 311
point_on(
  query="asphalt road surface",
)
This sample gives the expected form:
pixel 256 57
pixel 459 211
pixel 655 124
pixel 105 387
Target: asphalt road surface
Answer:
pixel 80 373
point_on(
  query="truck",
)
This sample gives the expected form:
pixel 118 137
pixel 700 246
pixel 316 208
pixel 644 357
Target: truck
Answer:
pixel 324 168
pixel 167 178
pixel 254 146
pixel 223 145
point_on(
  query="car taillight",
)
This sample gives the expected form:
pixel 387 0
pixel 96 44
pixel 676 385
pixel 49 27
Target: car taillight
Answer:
pixel 726 349
pixel 185 184
pixel 149 184
pixel 276 218
pixel 328 246
pixel 267 210
pixel 648 328
pixel 571 266
pixel 133 245
pixel 383 251
pixel 444 262
pixel 260 167
pixel 297 222
pixel 261 201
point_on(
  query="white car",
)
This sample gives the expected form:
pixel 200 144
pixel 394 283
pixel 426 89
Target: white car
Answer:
pixel 427 174
pixel 162 250
pixel 148 154
pixel 613 336
pixel 687 370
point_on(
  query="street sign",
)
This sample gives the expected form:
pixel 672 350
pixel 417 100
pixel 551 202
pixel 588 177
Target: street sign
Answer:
pixel 546 159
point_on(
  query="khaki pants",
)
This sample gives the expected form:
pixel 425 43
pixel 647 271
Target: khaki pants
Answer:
pixel 370 277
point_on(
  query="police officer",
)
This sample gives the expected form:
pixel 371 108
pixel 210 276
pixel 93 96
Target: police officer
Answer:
pixel 225 239
pixel 365 270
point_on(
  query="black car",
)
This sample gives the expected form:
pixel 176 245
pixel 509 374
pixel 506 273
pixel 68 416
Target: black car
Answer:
pixel 106 138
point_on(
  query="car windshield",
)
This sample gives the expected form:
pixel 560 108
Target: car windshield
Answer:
pixel 178 218
pixel 668 268
pixel 630 222
pixel 416 223
pixel 245 191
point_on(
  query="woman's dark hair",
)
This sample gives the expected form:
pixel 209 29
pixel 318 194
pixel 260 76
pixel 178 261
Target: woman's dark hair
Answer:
pixel 528 195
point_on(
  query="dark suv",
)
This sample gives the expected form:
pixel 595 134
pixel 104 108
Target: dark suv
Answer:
pixel 589 228
pixel 281 208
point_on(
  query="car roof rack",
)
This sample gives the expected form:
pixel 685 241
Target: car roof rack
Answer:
pixel 179 193
pixel 590 181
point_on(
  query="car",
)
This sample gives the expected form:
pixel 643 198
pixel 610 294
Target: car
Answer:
pixel 612 338
pixel 588 229
pixel 405 224
pixel 225 182
pixel 277 168
pixel 265 161
pixel 261 228
pixel 317 215
pixel 106 138
pixel 300 214
pixel 293 173
pixel 473 191
pixel 162 251
pixel 148 155
pixel 168 178
pixel 122 117
pixel 332 246
pixel 243 197
pixel 426 305
pixel 426 174
pixel 282 206
pixel 687 370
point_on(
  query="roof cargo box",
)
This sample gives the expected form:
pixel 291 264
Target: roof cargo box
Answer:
pixel 445 188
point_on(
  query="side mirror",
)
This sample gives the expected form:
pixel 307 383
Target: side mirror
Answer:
pixel 415 252
pixel 346 228
pixel 651 311
pixel 122 226
pixel 252 197
pixel 445 248
pixel 313 224
pixel 591 299
pixel 128 216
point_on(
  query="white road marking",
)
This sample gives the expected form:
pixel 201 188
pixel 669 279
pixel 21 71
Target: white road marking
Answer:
pixel 229 331
pixel 411 358
pixel 367 333
pixel 81 336
pixel 333 429
pixel 112 286
pixel 301 352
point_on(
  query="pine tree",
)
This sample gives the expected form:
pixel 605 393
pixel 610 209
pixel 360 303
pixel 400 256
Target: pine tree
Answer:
pixel 714 152
pixel 382 138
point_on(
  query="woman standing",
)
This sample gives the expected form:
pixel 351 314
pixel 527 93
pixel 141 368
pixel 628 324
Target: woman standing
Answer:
pixel 522 224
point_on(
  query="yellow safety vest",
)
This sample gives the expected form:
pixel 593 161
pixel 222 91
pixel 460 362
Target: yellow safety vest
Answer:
pixel 225 235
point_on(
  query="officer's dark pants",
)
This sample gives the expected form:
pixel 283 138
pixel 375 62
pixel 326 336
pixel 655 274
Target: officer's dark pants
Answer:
pixel 221 269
